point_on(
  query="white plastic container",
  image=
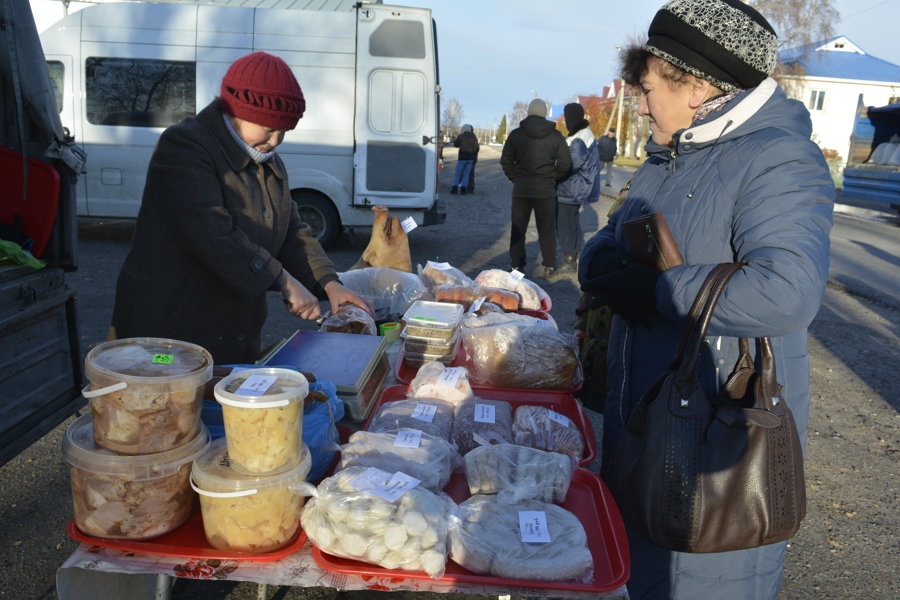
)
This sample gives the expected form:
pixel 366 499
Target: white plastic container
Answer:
pixel 436 320
pixel 249 513
pixel 129 497
pixel 146 393
pixel 262 410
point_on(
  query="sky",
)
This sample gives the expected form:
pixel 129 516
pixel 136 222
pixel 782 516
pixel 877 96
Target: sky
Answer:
pixel 493 53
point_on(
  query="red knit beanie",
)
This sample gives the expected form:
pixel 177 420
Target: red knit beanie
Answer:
pixel 261 89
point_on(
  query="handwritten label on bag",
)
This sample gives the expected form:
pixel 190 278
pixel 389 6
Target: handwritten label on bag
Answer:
pixel 516 275
pixel 424 412
pixel 533 526
pixel 408 224
pixel 369 478
pixel 555 416
pixel 162 359
pixel 485 413
pixel 477 304
pixel 439 266
pixel 256 385
pixel 450 376
pixel 408 438
pixel 384 485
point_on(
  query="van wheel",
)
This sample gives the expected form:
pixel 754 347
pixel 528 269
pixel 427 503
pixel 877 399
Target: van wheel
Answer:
pixel 321 216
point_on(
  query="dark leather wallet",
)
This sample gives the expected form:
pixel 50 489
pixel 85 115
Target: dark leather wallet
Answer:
pixel 652 242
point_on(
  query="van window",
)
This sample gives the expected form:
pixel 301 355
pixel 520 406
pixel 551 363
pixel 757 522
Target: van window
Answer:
pixel 398 39
pixel 139 92
pixel 57 79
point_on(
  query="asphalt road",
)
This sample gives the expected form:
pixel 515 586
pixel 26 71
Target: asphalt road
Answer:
pixel 848 545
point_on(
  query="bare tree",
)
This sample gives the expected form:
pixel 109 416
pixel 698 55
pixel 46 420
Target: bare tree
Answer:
pixel 519 112
pixel 452 117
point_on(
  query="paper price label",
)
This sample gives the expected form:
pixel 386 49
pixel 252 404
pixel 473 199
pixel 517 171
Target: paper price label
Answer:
pixel 440 266
pixel 477 304
pixel 369 478
pixel 408 224
pixel 408 438
pixel 424 412
pixel 485 413
pixel 561 419
pixel 256 385
pixel 162 359
pixel 450 376
pixel 542 323
pixel 533 526
pixel 395 487
pixel 516 275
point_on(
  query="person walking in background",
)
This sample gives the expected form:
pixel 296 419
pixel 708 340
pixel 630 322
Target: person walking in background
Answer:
pixel 609 147
pixel 733 170
pixel 465 162
pixel 580 186
pixel 534 157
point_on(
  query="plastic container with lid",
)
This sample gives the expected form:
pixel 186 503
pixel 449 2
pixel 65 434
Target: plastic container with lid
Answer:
pixel 437 320
pixel 262 410
pixel 118 496
pixel 146 393
pixel 414 360
pixel 424 345
pixel 249 513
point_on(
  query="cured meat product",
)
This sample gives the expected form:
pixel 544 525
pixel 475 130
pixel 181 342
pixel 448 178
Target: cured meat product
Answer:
pixel 350 319
pixel 435 274
pixel 258 523
pixel 489 420
pixel 525 472
pixel 431 460
pixel 529 292
pixel 389 246
pixel 467 294
pixel 437 381
pixel 433 417
pixel 513 356
pixel 488 540
pixel 409 533
pixel 539 427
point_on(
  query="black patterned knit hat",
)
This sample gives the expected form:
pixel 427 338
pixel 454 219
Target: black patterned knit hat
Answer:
pixel 725 42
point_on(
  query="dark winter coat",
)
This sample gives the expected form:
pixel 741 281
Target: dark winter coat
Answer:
pixel 467 143
pixel 745 184
pixel 213 233
pixel 609 147
pixel 582 184
pixel 534 156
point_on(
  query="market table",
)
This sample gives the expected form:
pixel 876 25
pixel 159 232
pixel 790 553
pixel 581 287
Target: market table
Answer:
pixel 103 573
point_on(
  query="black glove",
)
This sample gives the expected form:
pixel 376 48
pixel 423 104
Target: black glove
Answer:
pixel 607 261
pixel 629 292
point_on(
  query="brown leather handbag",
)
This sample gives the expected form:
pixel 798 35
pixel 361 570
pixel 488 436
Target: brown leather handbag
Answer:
pixel 694 474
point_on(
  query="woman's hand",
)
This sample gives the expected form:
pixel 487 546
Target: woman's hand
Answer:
pixel 338 295
pixel 298 300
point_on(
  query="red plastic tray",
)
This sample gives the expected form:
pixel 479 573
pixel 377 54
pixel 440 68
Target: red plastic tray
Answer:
pixel 406 374
pixel 557 402
pixel 188 541
pixel 588 499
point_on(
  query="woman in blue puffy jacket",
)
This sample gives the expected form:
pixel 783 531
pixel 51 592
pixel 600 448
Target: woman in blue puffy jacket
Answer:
pixel 733 171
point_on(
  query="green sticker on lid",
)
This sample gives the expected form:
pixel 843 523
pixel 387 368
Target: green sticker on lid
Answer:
pixel 163 359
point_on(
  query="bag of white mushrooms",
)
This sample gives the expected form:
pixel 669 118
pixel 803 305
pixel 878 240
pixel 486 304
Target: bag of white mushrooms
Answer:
pixel 387 519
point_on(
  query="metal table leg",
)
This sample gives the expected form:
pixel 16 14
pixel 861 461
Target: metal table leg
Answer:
pixel 164 585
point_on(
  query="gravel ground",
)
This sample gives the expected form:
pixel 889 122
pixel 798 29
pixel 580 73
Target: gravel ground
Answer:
pixel 846 548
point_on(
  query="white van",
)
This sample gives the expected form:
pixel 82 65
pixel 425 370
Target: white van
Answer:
pixel 125 71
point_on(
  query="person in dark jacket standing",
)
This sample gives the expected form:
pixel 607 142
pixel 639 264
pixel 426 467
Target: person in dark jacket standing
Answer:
pixel 733 170
pixel 581 185
pixel 534 157
pixel 465 162
pixel 217 228
pixel 609 147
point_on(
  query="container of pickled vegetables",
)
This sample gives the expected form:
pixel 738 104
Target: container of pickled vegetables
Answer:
pixel 262 410
pixel 249 513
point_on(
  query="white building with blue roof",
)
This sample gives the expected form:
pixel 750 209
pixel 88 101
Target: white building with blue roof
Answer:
pixel 836 72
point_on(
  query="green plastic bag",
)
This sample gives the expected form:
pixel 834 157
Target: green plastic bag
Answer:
pixel 12 254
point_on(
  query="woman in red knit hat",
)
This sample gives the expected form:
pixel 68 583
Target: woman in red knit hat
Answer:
pixel 217 228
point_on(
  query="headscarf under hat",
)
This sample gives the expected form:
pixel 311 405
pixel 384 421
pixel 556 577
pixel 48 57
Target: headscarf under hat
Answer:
pixel 574 117
pixel 538 108
pixel 260 88
pixel 725 42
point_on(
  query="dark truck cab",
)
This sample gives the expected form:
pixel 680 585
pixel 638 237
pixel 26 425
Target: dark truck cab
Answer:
pixel 873 166
pixel 40 353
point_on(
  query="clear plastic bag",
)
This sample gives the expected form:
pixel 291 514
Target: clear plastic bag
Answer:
pixel 437 381
pixel 533 297
pixel 516 355
pixel 391 291
pixel 431 461
pixel 519 471
pixel 486 538
pixel 430 416
pixel 435 274
pixel 350 319
pixel 538 427
pixel 479 420
pixel 409 533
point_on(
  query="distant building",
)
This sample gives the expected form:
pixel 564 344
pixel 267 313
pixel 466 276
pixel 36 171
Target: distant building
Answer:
pixel 835 73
